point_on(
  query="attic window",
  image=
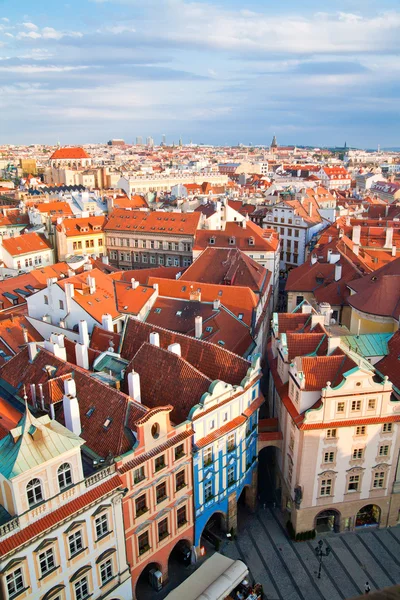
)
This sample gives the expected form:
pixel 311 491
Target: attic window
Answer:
pixel 178 313
pixel 240 316
pixel 157 311
pixel 90 411
pixel 251 241
pixel 212 240
pixel 107 423
pixel 220 293
pixel 209 329
pixel 184 288
pixel 232 241
pixel 221 342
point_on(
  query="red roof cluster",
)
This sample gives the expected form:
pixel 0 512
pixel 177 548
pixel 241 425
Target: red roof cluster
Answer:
pixel 73 153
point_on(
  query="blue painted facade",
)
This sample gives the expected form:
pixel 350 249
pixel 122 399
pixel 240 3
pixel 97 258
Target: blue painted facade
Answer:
pixel 229 469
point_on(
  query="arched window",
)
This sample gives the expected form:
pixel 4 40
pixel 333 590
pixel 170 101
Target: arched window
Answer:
pixel 64 476
pixel 34 492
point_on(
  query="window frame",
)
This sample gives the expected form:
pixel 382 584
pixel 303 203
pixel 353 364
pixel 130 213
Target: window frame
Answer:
pixel 82 582
pixel 11 580
pixel 99 525
pixel 35 497
pixel 62 474
pixel 46 556
pixel 104 566
pixel 78 534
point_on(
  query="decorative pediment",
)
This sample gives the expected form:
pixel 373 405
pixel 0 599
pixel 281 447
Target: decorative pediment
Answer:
pixel 355 470
pixel 328 473
pixel 382 466
pixel 45 543
pixel 74 525
pixel 79 573
pixel 105 555
pixel 13 563
pixel 53 592
pixel 101 509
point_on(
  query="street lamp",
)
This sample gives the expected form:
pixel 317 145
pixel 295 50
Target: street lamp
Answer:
pixel 320 554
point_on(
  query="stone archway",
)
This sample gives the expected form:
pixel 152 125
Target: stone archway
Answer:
pixel 368 516
pixel 144 587
pixel 214 531
pixel 327 520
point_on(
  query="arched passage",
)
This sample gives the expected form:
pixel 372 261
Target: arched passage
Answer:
pixel 149 581
pixel 179 562
pixel 368 516
pixel 214 531
pixel 327 520
pixel 268 486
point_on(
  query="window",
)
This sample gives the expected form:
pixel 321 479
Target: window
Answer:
pixel 143 541
pixel 144 258
pixel 181 516
pixel 225 417
pixel 354 481
pixel 75 543
pixel 231 475
pixel 140 505
pixel 207 457
pixel 106 571
pixel 212 424
pixel 161 492
pixel 371 404
pixel 160 260
pixel 331 433
pixel 379 479
pixel 340 407
pixel 15 582
pixel 180 480
pixel 34 492
pixel 100 242
pixel 162 529
pixel 326 487
pixel 46 561
pixel 230 442
pixel 384 450
pixel 208 490
pixel 329 457
pixel 296 233
pixel 299 300
pixel 138 475
pixel 179 452
pixel 81 588
pixel 152 259
pixel 87 243
pixel 46 299
pixel 159 463
pixel 101 524
pixel 358 453
pixel 387 428
pixel 356 405
pixel 64 476
pixel 361 430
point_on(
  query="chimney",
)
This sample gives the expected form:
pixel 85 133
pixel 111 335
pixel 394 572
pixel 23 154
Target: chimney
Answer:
pixel 310 209
pixel 394 250
pixel 58 338
pixel 338 271
pixel 106 322
pixel 216 304
pixel 155 286
pixel 82 355
pixel 198 327
pixel 105 260
pixel 155 339
pixel 333 343
pixel 134 283
pixel 356 234
pixel 69 293
pixel 91 283
pixel 134 386
pixel 72 415
pixel 41 395
pixel 175 349
pixel 71 273
pixel 25 331
pixel 54 348
pixel 83 333
pixel 389 237
pixel 32 351
pixel 33 394
pixel 88 267
pixel 314 259
pixel 244 224
pixel 326 311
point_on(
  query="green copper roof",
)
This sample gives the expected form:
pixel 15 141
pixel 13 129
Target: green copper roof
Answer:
pixel 368 344
pixel 34 442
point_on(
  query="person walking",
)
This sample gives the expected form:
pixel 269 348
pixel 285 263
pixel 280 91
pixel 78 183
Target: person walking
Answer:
pixel 367 588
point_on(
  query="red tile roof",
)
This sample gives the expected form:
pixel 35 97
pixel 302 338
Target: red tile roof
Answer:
pixel 153 222
pixel 56 208
pixel 26 244
pixel 101 339
pixel 300 344
pixel 76 227
pixel 352 422
pixel 210 359
pixel 292 321
pixel 217 433
pixel 59 515
pixel 73 153
pixel 318 370
pixel 390 364
pixel 264 240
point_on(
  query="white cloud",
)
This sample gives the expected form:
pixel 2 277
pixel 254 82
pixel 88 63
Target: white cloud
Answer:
pixel 30 26
pixel 5 19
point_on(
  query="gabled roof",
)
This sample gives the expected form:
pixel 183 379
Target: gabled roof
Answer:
pixel 210 359
pixel 292 321
pixel 34 442
pixel 390 364
pixel 153 222
pixel 26 244
pixel 252 237
pixel 78 227
pixel 318 370
pixel 179 383
pixel 69 153
pixel 301 344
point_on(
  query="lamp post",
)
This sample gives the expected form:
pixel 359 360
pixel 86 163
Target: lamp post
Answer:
pixel 320 554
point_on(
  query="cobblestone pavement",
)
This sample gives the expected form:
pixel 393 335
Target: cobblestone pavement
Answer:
pixel 288 571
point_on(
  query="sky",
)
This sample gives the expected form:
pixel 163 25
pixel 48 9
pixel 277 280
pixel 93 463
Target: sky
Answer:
pixel 313 73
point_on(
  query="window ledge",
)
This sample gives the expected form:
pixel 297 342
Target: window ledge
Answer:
pixel 104 535
pixel 19 593
pixel 73 556
pixel 48 573
pixel 103 585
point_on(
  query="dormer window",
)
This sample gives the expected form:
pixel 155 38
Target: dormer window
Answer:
pixel 212 240
pixel 232 241
pixel 251 241
pixel 34 492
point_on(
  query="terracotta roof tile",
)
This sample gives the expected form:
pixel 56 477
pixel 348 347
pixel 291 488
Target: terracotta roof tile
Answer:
pixel 318 370
pixel 26 244
pixel 211 437
pixel 152 222
pixel 69 153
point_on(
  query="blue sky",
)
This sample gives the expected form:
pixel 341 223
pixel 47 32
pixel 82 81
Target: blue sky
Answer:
pixel 214 72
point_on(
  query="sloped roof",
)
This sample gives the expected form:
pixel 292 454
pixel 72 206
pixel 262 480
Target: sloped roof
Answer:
pixel 318 370
pixel 69 153
pixel 266 240
pixel 153 222
pixel 300 344
pixel 34 442
pixel 210 359
pixel 73 227
pixel 390 364
pixel 378 293
pixel 26 244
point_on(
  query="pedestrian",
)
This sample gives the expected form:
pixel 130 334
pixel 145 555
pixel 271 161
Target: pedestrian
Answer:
pixel 367 588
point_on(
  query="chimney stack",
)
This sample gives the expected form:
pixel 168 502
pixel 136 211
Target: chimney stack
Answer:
pixel 338 271
pixel 134 386
pixel 25 334
pixel 83 333
pixel 106 322
pixel 216 304
pixel 105 260
pixel 310 209
pixel 198 327
pixel 82 355
pixel 356 234
pixel 32 351
pixel 72 415
pixel 389 237
pixel 175 349
pixel 155 339
pixel 394 250
pixel 91 283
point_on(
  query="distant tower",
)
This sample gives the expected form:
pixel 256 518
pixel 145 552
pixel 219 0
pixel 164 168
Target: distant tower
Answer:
pixel 164 139
pixel 150 142
pixel 345 145
pixel 139 140
pixel 274 143
pixel 180 142
pixel 379 147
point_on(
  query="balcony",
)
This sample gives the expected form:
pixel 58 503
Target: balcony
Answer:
pixel 99 475
pixel 9 526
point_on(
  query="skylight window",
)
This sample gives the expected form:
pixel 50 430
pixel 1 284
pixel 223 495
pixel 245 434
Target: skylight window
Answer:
pixel 90 411
pixel 107 423
pixel 178 313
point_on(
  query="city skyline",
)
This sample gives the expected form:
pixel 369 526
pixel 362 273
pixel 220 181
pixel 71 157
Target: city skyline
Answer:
pixel 84 72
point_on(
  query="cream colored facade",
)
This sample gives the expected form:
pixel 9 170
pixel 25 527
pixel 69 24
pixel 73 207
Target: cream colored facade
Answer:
pixel 140 184
pixel 65 535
